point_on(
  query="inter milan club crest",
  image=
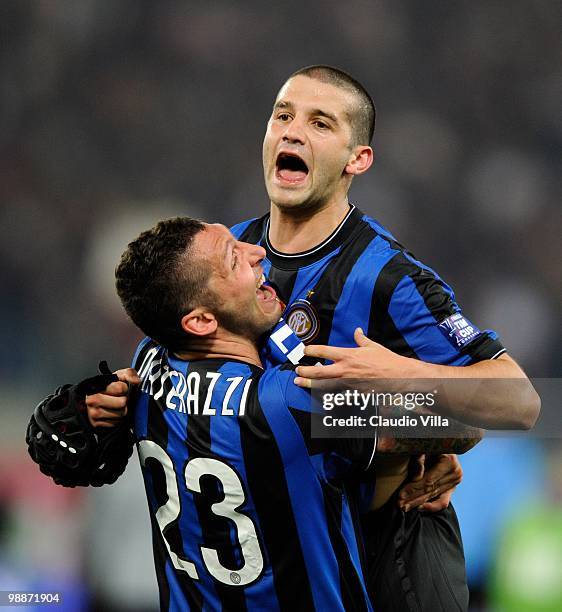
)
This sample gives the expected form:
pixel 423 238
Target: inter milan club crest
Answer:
pixel 302 319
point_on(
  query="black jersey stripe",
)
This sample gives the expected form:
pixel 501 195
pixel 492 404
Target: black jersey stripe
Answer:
pixel 215 531
pixel 352 593
pixel 254 232
pixel 314 445
pixel 328 290
pixel 436 298
pixel 357 450
pixel 157 430
pixel 160 556
pixel 156 426
pixel 483 347
pixel 381 326
pixel 283 282
pixel 265 472
pixel 438 301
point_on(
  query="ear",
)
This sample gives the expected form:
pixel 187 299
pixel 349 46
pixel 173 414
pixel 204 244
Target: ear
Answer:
pixel 199 322
pixel 361 160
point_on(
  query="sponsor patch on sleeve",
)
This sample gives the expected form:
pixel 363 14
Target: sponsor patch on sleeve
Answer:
pixel 459 330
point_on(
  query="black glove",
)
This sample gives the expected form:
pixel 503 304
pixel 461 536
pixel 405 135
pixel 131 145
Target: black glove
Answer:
pixel 64 444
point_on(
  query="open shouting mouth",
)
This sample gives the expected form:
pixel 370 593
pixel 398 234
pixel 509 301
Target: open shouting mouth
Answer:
pixel 290 168
pixel 267 296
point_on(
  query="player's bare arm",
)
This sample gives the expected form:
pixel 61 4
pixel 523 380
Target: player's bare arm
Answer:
pixel 431 446
pixel 517 407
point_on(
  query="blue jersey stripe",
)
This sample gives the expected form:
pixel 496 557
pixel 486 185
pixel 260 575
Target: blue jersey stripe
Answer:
pixel 238 229
pixel 141 416
pixel 380 229
pixel 266 265
pixel 308 276
pixel 303 483
pixel 351 539
pixel 225 443
pixel 177 599
pixel 419 327
pixel 141 345
pixel 189 526
pixel 354 306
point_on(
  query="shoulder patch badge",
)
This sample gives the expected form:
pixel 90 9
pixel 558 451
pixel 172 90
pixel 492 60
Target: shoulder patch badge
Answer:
pixel 459 330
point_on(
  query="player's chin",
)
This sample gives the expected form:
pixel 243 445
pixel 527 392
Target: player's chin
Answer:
pixel 288 196
pixel 271 310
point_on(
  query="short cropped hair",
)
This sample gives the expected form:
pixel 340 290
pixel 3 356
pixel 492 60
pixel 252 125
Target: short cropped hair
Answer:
pixel 158 280
pixel 362 118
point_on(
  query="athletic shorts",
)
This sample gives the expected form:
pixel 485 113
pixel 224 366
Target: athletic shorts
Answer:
pixel 415 560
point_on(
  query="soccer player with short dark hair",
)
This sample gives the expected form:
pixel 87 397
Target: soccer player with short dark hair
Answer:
pixel 337 270
pixel 245 506
pixel 248 509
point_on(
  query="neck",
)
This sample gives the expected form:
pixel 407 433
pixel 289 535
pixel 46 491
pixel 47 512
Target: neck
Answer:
pixel 228 346
pixel 298 230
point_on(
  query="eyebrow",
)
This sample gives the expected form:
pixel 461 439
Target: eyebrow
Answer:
pixel 228 248
pixel 229 251
pixel 317 112
pixel 224 243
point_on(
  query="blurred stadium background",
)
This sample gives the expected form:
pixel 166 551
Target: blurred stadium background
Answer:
pixel 115 114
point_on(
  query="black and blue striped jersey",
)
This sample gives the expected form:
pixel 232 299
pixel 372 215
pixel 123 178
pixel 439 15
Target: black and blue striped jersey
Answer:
pixel 248 510
pixel 360 276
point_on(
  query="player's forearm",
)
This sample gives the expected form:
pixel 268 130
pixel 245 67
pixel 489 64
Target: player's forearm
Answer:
pixel 499 396
pixel 434 446
pixel 505 399
pixel 393 439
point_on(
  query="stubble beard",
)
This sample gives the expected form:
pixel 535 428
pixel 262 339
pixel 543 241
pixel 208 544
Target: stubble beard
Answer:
pixel 245 327
pixel 300 208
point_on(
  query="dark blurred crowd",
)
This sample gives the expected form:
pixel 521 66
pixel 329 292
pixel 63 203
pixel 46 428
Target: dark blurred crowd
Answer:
pixel 115 114
pixel 111 109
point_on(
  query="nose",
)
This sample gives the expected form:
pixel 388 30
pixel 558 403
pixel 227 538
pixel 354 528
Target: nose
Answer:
pixel 294 131
pixel 254 253
pixel 258 253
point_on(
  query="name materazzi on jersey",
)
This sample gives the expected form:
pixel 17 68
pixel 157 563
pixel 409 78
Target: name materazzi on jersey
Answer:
pixel 302 319
pixel 182 392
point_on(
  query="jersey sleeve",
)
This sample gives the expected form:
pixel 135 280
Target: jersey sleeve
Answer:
pixel 142 346
pixel 238 229
pixel 340 457
pixel 418 316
